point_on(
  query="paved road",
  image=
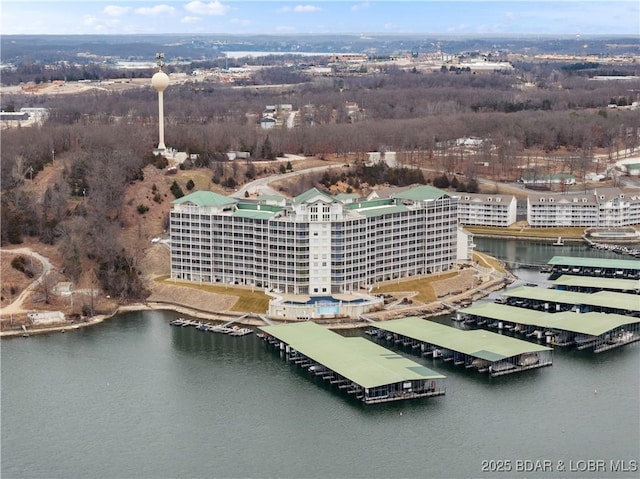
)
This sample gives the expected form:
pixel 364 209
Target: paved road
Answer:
pixel 261 185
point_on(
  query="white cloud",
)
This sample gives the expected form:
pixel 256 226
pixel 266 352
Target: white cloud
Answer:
pixel 240 21
pixel 190 19
pixel 100 24
pixel 211 8
pixel 115 10
pixel 360 6
pixel 306 9
pixel 457 28
pixel 89 20
pixel 156 10
pixel 285 29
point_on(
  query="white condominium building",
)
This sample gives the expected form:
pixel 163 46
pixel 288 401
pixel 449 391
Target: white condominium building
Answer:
pixel 602 208
pixel 487 210
pixel 314 244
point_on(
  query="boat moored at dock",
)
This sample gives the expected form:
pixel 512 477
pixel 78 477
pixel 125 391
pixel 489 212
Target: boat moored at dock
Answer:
pixel 588 330
pixel 211 327
pixel 363 370
pixel 478 349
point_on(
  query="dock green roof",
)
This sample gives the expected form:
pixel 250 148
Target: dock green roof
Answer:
pixel 601 283
pixel 357 359
pixel 594 262
pixel 594 324
pixel 205 198
pixel 478 343
pixel 605 299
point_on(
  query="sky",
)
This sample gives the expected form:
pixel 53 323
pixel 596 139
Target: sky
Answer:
pixel 452 17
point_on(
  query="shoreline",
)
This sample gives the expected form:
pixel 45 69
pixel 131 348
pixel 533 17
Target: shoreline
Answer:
pixel 254 320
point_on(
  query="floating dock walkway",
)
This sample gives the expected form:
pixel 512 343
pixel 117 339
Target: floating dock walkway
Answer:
pixel 212 328
pixel 354 365
pixel 479 349
pixel 596 331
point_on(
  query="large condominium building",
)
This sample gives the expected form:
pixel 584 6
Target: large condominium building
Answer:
pixel 487 210
pixel 315 243
pixel 603 208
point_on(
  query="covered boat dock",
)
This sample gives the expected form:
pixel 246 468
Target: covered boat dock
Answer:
pixel 554 300
pixel 597 267
pixel 367 371
pixel 479 349
pixel 590 284
pixel 596 331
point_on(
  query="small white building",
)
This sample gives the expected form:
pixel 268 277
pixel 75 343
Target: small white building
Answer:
pixel 267 123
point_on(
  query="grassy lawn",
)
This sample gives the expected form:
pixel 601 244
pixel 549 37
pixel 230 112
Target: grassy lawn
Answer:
pixel 547 233
pixel 422 286
pixel 487 261
pixel 247 300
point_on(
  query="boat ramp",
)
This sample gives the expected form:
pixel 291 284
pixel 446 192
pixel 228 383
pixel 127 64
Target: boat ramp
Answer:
pixel 591 330
pixel 210 327
pixel 482 350
pixel 362 369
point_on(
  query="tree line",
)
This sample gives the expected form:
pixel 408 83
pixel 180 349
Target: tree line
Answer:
pixel 106 140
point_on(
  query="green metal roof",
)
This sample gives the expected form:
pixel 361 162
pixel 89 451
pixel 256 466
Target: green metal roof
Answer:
pixel 594 262
pixel 421 193
pixel 347 196
pixel 307 195
pixel 357 359
pixel 478 343
pixel 605 299
pixel 594 324
pixel 205 198
pixel 276 198
pixel 255 214
pixel 602 283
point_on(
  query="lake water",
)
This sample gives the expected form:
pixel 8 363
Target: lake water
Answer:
pixel 135 397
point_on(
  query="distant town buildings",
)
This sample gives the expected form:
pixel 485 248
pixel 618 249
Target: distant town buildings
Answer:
pixel 24 117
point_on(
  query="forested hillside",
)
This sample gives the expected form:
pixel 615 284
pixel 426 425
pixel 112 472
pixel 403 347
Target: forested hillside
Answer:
pixel 99 143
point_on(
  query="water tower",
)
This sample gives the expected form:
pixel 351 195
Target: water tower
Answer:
pixel 160 82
